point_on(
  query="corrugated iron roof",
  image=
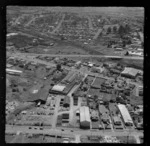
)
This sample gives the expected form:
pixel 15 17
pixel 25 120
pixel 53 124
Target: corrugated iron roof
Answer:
pixel 125 114
pixel 130 71
pixel 84 114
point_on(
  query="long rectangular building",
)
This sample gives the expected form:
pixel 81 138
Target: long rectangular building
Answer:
pixel 85 117
pixel 125 115
pixel 129 72
pixel 69 77
pixel 13 71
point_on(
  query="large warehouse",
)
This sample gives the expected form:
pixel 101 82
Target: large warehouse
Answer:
pixel 125 115
pixel 85 117
pixel 69 78
pixel 129 72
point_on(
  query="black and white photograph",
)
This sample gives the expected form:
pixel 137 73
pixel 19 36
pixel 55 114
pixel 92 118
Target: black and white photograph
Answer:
pixel 74 74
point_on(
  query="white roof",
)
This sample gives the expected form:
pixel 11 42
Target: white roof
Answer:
pixel 11 34
pixel 84 114
pixel 13 70
pixel 130 71
pixel 59 87
pixel 125 113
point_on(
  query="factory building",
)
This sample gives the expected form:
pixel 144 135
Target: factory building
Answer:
pixel 13 71
pixel 129 72
pixel 85 117
pixel 125 115
pixel 59 88
pixel 69 78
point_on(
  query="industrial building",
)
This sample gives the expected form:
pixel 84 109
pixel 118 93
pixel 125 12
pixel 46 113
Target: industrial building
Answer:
pixel 85 117
pixel 129 72
pixel 13 71
pixel 58 88
pixel 69 78
pixel 125 115
pixel 62 88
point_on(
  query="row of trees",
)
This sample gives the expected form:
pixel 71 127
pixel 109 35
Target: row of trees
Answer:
pixel 121 30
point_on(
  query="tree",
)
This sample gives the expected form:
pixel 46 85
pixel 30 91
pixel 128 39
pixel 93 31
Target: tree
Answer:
pixel 127 53
pixel 108 30
pixel 85 88
pixel 58 67
pixel 114 29
pixel 121 31
pixel 95 98
pixel 127 28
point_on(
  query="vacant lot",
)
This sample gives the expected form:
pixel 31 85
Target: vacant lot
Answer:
pixel 97 83
pixel 93 91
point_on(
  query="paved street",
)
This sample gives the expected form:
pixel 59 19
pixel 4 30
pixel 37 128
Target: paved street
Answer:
pixel 69 55
pixel 58 131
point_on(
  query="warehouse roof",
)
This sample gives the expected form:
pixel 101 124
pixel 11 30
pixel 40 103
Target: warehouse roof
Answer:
pixel 69 75
pixel 125 113
pixel 84 114
pixel 130 71
pixel 59 87
pixel 13 70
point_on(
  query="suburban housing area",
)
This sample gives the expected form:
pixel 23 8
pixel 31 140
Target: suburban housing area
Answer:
pixel 74 76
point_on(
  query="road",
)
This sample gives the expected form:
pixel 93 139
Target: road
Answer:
pixel 90 23
pixel 98 33
pixel 58 26
pixel 69 55
pixel 68 132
